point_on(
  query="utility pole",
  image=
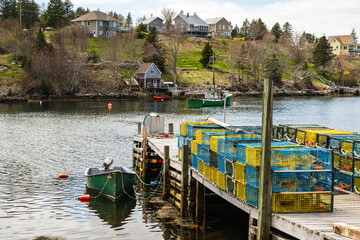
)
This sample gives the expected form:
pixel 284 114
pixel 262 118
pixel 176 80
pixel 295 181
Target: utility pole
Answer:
pixel 213 63
pixel 20 14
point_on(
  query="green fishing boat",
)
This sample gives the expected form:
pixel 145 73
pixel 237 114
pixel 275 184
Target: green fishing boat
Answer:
pixel 110 182
pixel 212 98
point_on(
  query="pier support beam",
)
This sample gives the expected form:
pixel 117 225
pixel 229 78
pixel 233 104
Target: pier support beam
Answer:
pixel 171 128
pixel 166 174
pixel 144 159
pixel 200 204
pixel 184 180
pixel 139 128
pixel 265 189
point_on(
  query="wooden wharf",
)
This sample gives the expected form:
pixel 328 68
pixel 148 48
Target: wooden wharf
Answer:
pixel 318 225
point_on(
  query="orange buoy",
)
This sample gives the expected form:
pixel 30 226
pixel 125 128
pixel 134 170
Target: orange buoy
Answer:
pixel 207 118
pixel 84 198
pixel 109 106
pixel 234 103
pixel 63 175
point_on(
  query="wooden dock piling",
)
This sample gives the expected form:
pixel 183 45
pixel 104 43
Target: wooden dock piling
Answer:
pixel 171 128
pixel 265 189
pixel 166 174
pixel 200 204
pixel 144 159
pixel 139 128
pixel 184 180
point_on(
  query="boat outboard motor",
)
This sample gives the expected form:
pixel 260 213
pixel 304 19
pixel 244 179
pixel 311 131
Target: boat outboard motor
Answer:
pixel 107 163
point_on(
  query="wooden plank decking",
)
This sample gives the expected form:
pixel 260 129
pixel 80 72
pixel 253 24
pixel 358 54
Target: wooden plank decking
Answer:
pixel 299 225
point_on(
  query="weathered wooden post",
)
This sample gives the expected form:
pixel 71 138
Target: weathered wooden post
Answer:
pixel 200 204
pixel 139 128
pixel 166 174
pixel 144 153
pixel 184 180
pixel 265 189
pixel 171 128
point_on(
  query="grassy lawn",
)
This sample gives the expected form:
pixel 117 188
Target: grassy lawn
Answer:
pixel 201 78
pixel 10 76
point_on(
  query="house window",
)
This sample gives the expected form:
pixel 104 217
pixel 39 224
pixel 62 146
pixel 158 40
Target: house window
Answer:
pixel 149 81
pixel 152 72
pixel 337 47
pixel 345 47
pixel 82 23
pixel 229 28
pixel 100 23
pixel 219 26
pixel 110 33
pixel 100 33
pixel 110 24
pixel 223 27
pixel 334 40
pixel 88 23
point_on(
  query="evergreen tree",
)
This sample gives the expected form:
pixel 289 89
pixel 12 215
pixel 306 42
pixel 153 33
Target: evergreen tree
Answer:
pixel 30 12
pixel 206 54
pixel 310 38
pixel 141 28
pixel 41 44
pixel 273 69
pixel 287 29
pixel 353 33
pixel 151 37
pixel 257 29
pixel 245 29
pixel 322 54
pixel 276 31
pixel 235 31
pixel 58 13
pixel 8 9
pixel 128 21
pixel 81 11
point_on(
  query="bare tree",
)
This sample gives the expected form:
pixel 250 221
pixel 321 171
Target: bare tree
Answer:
pixel 168 15
pixel 297 49
pixel 173 44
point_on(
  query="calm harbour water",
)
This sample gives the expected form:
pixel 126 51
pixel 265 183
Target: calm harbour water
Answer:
pixel 40 141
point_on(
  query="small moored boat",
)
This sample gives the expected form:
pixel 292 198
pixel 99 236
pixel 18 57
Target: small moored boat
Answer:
pixel 110 182
pixel 213 97
pixel 161 97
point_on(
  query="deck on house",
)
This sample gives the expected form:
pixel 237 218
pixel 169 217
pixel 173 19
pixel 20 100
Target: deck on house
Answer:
pixel 298 225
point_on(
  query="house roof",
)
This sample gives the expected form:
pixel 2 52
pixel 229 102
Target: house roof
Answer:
pixel 213 20
pixel 95 15
pixel 343 39
pixel 195 20
pixel 149 20
pixel 144 67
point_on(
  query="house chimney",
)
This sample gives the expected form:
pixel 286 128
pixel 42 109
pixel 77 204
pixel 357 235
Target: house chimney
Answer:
pixel 187 14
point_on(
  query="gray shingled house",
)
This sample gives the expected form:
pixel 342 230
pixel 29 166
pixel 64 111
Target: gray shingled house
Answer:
pixel 153 22
pixel 148 76
pixel 99 24
pixel 194 26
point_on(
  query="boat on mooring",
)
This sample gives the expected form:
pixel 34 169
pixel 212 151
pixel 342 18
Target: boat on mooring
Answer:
pixel 213 97
pixel 161 98
pixel 110 182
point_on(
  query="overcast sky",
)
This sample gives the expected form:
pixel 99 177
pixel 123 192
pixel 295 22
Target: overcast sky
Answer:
pixel 329 17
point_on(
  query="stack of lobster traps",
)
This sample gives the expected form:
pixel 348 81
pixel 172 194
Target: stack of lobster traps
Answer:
pixel 345 147
pixel 302 176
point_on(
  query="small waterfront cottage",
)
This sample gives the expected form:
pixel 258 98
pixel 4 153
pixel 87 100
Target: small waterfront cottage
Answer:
pixel 344 45
pixel 99 24
pixel 219 27
pixel 149 77
pixel 153 22
pixel 194 26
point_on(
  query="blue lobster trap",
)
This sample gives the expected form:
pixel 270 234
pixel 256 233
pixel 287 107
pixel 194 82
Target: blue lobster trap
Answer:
pixel 192 129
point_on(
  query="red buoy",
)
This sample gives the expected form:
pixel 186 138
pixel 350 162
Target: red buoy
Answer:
pixel 109 106
pixel 63 176
pixel 84 198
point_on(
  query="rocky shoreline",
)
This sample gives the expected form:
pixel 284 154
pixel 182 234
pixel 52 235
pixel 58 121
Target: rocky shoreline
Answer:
pixel 339 92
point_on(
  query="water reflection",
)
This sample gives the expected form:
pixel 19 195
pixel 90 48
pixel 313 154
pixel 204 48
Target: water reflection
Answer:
pixel 113 213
